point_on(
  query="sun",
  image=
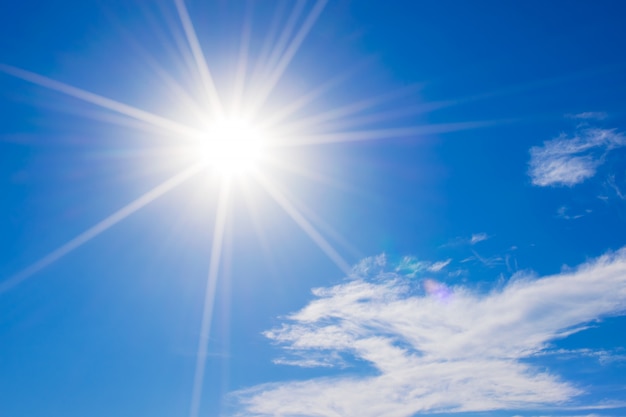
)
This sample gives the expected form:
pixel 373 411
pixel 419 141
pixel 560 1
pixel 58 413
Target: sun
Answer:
pixel 228 137
pixel 231 146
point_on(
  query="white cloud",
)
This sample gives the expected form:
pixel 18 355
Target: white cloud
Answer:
pixel 433 348
pixel 570 160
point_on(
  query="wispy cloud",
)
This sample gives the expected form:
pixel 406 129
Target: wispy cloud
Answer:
pixel 478 237
pixel 588 115
pixel 489 262
pixel 438 266
pixel 434 348
pixel 613 185
pixel 411 266
pixel 570 160
pixel 564 212
pixel 472 240
pixel 604 356
pixel 578 415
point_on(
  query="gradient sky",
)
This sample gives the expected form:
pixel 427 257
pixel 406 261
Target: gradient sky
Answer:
pixel 440 228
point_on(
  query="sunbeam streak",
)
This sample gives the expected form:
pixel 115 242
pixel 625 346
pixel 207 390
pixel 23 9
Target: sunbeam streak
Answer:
pixel 207 313
pixel 100 227
pixel 288 55
pixel 287 32
pixel 304 224
pixel 376 134
pixel 286 111
pixel 103 102
pixel 200 60
pixel 344 111
pixel 242 62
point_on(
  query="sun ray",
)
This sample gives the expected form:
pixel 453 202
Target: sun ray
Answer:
pixel 268 42
pixel 98 228
pixel 377 134
pixel 278 116
pixel 304 224
pixel 286 33
pixel 200 60
pixel 101 101
pixel 207 313
pixel 281 66
pixel 384 116
pixel 242 64
pixel 338 113
pixel 181 95
pixel 299 169
pixel 319 223
pixel 257 225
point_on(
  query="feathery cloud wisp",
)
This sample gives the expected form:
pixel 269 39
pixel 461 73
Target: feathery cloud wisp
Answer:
pixel 472 240
pixel 570 160
pixel 589 115
pixel 478 237
pixel 433 348
pixel 438 266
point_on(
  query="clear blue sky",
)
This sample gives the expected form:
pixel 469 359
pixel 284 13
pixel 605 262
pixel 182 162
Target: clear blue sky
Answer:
pixel 435 222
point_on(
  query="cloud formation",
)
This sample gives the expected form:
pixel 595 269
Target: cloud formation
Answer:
pixel 434 348
pixel 570 160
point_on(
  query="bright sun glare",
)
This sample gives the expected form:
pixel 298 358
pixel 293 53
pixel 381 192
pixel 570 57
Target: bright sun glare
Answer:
pixel 232 146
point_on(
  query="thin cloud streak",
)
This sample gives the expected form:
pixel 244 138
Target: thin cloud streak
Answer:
pixel 589 115
pixel 438 266
pixel 472 240
pixel 433 348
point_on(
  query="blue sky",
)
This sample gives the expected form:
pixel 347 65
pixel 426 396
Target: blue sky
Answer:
pixel 423 211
